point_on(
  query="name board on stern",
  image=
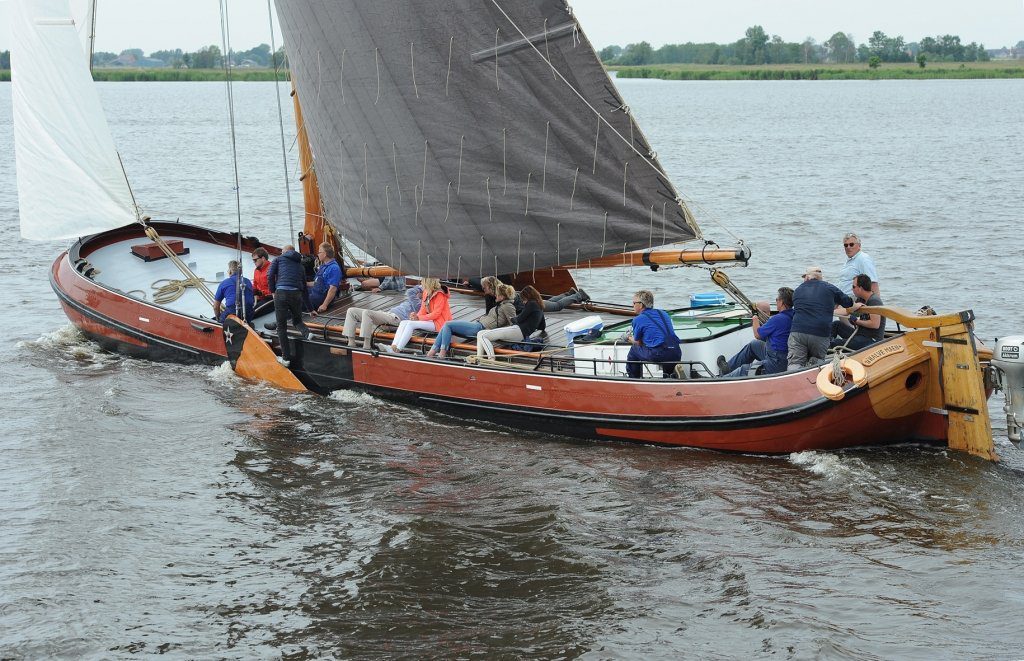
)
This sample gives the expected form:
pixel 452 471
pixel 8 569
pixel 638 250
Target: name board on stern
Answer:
pixel 880 353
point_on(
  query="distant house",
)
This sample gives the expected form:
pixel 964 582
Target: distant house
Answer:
pixel 129 60
pixel 1006 53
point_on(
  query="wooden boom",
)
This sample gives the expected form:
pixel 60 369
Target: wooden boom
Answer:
pixel 651 258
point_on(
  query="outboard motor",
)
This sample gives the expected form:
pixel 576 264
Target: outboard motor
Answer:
pixel 1008 358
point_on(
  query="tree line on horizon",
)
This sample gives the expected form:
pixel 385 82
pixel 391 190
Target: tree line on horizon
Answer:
pixel 208 57
pixel 756 47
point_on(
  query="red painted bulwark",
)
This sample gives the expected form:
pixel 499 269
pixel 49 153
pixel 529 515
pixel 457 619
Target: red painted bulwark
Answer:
pixel 756 415
pixel 112 316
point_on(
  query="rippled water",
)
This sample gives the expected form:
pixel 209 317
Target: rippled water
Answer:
pixel 149 508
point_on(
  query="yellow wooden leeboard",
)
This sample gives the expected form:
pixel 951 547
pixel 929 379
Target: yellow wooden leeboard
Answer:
pixel 257 362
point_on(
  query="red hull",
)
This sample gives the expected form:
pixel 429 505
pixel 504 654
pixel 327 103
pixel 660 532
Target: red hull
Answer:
pixel 773 415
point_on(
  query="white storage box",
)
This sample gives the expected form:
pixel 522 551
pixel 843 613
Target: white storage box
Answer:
pixel 586 327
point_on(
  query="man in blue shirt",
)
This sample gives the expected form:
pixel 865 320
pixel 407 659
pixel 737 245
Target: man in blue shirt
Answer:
pixel 813 305
pixel 227 294
pixel 327 282
pixel 770 343
pixel 653 338
pixel 857 262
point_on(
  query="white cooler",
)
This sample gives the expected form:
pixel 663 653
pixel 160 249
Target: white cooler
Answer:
pixel 586 327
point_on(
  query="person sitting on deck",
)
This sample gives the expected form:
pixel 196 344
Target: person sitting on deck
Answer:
pixel 367 320
pixel 227 293
pixel 525 324
pixel 770 343
pixel 870 328
pixel 327 282
pixel 261 269
pixel 433 314
pixel 653 338
pixel 498 316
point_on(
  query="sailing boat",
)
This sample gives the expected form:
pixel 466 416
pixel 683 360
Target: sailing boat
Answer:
pixel 464 139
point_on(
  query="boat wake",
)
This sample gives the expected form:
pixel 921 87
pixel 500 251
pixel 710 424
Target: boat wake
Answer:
pixel 68 343
pixel 355 398
pixel 828 465
pixel 223 375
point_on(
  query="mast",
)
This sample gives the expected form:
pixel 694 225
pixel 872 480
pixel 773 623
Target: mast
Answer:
pixel 91 19
pixel 315 223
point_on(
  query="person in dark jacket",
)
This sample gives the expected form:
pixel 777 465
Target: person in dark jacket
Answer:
pixel 288 284
pixel 813 305
pixel 525 324
pixel 653 338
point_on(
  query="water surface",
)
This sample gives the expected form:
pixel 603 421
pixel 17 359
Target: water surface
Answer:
pixel 148 508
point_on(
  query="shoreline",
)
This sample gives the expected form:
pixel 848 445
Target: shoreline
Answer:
pixel 175 75
pixel 889 71
pixel 1004 69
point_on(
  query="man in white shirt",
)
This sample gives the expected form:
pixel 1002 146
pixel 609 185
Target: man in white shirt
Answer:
pixel 857 262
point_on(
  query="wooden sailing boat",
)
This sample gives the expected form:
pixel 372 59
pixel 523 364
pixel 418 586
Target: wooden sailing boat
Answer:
pixel 484 138
pixel 462 139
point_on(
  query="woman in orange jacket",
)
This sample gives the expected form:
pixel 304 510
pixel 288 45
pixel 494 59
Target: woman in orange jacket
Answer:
pixel 433 314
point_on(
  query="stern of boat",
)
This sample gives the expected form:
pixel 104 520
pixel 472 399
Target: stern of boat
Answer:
pixel 937 371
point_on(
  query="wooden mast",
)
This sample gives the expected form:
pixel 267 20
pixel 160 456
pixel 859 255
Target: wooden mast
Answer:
pixel 315 225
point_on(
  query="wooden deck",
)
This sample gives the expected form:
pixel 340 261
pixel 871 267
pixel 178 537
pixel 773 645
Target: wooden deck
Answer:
pixel 466 305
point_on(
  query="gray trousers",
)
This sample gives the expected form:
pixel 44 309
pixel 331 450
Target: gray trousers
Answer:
pixel 485 339
pixel 805 349
pixel 366 321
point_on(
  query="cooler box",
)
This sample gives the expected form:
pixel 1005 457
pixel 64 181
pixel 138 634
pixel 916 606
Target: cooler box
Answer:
pixel 586 327
pixel 706 299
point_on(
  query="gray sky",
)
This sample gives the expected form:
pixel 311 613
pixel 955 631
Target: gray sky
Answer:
pixel 191 24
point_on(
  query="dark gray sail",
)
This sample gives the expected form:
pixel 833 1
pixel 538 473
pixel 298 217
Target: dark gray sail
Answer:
pixel 470 137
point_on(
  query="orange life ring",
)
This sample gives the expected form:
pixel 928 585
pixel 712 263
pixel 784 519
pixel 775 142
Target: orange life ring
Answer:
pixel 853 371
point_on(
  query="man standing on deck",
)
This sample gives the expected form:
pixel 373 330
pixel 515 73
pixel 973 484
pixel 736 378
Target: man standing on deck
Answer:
pixel 287 282
pixel 813 304
pixel 857 262
pixel 325 285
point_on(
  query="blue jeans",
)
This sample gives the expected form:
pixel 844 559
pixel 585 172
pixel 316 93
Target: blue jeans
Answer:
pixel 773 361
pixel 665 357
pixel 460 328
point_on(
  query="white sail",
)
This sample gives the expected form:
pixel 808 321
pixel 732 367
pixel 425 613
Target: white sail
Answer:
pixel 70 181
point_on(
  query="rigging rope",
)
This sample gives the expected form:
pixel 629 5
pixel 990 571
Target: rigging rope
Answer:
pixel 280 121
pixel 226 38
pixel 190 277
pixel 175 289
